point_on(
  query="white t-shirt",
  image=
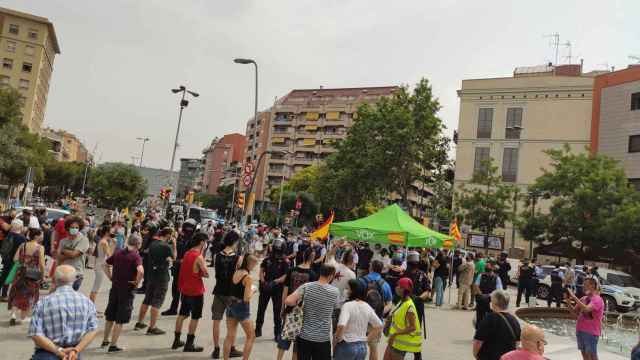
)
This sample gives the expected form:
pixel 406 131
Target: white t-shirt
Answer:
pixel 341 279
pixel 355 316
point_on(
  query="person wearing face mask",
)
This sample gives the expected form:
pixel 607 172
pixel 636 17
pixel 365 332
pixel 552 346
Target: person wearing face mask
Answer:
pixel 485 284
pixel 182 245
pixel 119 231
pixel 273 272
pixel 29 220
pixel 421 289
pixel 73 249
pixel 148 233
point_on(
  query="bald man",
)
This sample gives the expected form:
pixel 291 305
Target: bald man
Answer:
pixel 532 342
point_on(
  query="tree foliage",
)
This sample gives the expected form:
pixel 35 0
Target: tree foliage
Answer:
pixel 593 208
pixel 386 151
pixel 116 185
pixel 485 201
pixel 61 178
pixel 221 201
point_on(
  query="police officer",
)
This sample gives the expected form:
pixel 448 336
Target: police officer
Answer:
pixel 291 247
pixel 503 269
pixel 273 271
pixel 557 279
pixel 421 289
pixel 303 245
pixel 525 278
pixel 182 245
pixel 148 232
pixel 486 283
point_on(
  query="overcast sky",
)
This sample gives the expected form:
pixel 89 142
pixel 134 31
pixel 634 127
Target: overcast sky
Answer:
pixel 120 58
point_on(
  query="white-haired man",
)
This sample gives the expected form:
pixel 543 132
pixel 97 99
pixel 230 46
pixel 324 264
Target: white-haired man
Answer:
pixel 64 323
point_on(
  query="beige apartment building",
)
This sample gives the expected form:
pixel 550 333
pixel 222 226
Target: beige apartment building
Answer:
pixel 28 46
pixel 513 120
pixel 65 146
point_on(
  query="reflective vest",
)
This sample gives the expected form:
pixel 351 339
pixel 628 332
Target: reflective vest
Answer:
pixel 408 342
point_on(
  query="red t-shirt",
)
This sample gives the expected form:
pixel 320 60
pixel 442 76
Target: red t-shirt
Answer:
pixel 190 283
pixel 61 233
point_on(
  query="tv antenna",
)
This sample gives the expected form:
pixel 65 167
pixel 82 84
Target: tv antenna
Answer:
pixel 568 46
pixel 555 43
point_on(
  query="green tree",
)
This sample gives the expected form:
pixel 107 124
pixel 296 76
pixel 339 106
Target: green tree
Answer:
pixel 116 185
pixel 387 149
pixel 593 208
pixel 221 201
pixel 60 177
pixel 485 201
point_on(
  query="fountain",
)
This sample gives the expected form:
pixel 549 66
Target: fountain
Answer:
pixel 619 331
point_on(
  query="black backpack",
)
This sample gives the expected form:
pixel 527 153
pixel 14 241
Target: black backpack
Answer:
pixel 225 266
pixel 555 278
pixel 374 295
pixel 488 283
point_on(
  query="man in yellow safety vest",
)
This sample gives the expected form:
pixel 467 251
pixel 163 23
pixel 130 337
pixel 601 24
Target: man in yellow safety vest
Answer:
pixel 403 326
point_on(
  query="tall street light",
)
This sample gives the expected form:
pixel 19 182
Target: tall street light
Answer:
pixel 144 141
pixel 255 117
pixel 183 104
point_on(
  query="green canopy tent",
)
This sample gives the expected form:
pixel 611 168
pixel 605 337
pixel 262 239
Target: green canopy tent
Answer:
pixel 390 225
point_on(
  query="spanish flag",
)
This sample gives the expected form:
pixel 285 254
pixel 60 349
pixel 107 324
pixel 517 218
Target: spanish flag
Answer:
pixel 454 231
pixel 322 232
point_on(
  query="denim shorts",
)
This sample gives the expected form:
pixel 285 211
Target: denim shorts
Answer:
pixel 351 350
pixel 587 343
pixel 285 344
pixel 239 311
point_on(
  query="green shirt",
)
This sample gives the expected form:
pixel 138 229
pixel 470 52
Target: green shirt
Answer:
pixel 159 252
pixel 480 266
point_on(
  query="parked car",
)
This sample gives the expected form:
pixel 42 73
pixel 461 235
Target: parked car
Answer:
pixel 53 214
pixel 623 281
pixel 615 298
pixel 202 215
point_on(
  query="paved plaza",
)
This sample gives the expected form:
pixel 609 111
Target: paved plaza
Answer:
pixel 449 334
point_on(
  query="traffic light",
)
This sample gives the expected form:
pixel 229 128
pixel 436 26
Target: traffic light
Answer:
pixel 189 198
pixel 163 194
pixel 241 200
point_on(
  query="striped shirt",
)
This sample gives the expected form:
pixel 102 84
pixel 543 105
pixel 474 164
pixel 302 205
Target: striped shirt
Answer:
pixel 63 317
pixel 319 300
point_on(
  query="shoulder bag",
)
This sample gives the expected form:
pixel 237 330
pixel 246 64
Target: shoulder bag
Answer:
pixel 293 321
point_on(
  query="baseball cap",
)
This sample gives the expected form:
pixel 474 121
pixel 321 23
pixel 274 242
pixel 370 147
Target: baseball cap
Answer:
pixel 405 283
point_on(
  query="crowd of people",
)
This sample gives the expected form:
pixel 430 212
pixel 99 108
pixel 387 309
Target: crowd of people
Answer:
pixel 330 299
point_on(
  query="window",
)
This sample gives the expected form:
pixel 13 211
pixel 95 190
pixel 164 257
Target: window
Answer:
pixel 4 80
pixel 635 101
pixel 14 29
pixel 514 123
pixel 27 67
pixel 635 183
pixel 634 143
pixel 11 46
pixel 33 34
pixel 510 165
pixel 485 119
pixel 481 159
pixel 29 50
pixel 7 63
pixel 24 84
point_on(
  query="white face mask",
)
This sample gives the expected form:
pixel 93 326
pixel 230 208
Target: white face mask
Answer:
pixel 74 231
pixel 120 231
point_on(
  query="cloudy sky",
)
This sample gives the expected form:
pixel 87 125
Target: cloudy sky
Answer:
pixel 120 58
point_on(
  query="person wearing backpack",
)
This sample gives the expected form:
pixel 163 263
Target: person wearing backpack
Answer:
pixel 421 289
pixel 486 283
pixel 379 296
pixel 225 263
pixel 25 289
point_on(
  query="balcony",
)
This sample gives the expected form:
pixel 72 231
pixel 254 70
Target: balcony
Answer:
pixel 304 160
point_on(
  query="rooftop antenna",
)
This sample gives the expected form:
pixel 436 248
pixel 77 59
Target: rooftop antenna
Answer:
pixel 555 43
pixel 568 46
pixel 635 58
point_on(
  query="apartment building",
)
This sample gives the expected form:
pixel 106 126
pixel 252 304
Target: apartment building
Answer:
pixel 513 120
pixel 221 160
pixel 65 146
pixel 190 176
pixel 302 128
pixel 28 47
pixel 615 127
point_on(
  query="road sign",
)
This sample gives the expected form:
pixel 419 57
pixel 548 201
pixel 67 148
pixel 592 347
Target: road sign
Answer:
pixel 246 180
pixel 248 168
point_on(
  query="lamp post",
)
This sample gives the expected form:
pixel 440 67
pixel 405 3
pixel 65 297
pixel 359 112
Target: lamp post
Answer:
pixel 144 141
pixel 284 153
pixel 518 130
pixel 255 116
pixel 183 104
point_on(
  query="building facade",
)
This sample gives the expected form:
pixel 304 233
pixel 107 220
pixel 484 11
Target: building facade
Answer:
pixel 513 120
pixel 302 128
pixel 28 47
pixel 156 179
pixel 615 127
pixel 66 146
pixel 258 134
pixel 190 176
pixel 221 160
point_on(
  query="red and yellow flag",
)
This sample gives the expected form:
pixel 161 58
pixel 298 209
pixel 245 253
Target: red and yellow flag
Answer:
pixel 322 232
pixel 454 231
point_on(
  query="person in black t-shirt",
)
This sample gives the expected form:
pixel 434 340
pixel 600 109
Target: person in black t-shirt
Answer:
pixel 273 271
pixel 365 254
pixel 525 277
pixel 499 332
pixel 503 269
pixel 182 245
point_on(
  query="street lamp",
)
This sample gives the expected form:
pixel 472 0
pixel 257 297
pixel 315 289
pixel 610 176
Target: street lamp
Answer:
pixel 284 153
pixel 144 141
pixel 255 116
pixel 183 104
